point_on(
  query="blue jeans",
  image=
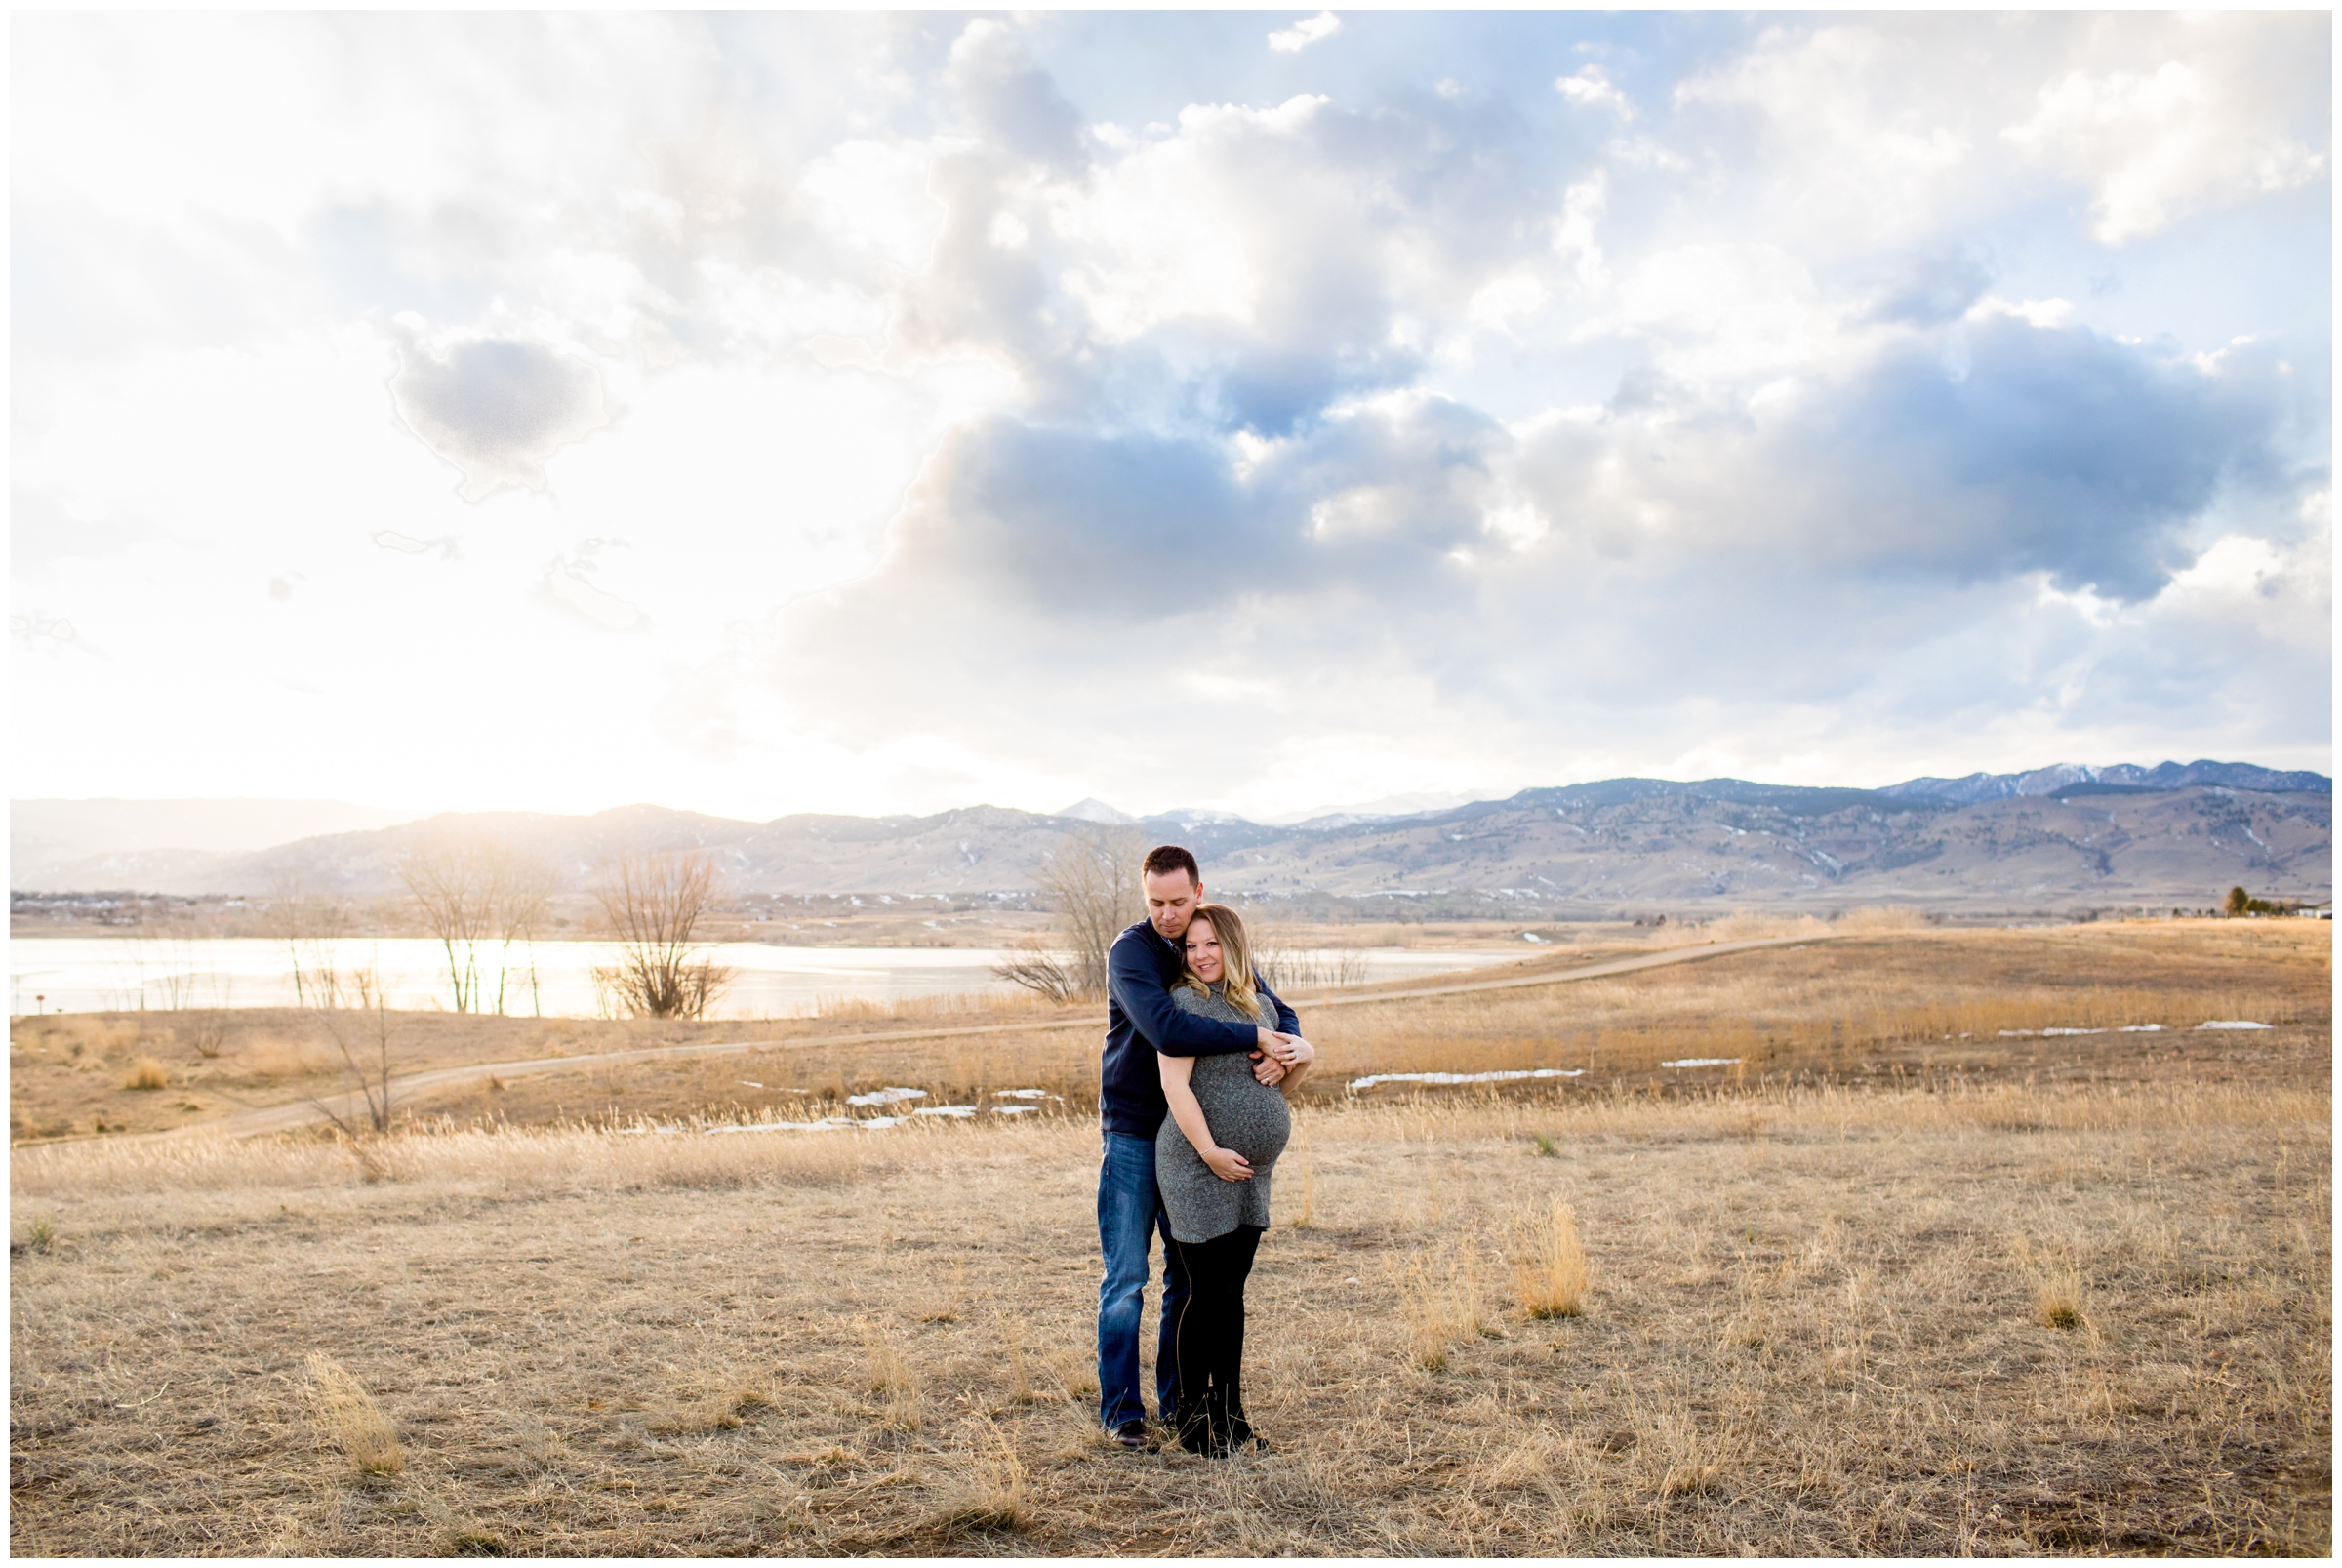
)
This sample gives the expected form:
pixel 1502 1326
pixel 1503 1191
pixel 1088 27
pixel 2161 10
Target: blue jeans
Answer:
pixel 1129 1212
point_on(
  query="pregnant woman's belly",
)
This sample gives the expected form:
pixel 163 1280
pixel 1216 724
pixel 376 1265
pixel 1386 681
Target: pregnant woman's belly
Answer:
pixel 1244 1113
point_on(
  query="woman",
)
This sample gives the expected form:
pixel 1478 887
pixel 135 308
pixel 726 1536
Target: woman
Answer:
pixel 1212 1161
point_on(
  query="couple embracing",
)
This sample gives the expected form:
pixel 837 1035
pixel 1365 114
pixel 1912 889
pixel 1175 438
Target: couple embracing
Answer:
pixel 1199 1055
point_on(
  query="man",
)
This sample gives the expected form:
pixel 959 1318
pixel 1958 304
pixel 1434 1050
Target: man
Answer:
pixel 1141 1020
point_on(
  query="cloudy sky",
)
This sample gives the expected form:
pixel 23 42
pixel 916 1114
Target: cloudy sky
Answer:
pixel 863 413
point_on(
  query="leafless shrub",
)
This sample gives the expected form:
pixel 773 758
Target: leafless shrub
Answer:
pixel 206 1033
pixel 350 1417
pixel 1037 967
pixel 1092 884
pixel 148 1074
pixel 653 904
pixel 365 1060
pixel 1287 965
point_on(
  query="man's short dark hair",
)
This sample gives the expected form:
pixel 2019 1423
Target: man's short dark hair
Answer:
pixel 1165 859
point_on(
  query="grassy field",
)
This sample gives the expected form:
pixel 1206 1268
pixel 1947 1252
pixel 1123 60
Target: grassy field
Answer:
pixel 1878 1005
pixel 1877 1288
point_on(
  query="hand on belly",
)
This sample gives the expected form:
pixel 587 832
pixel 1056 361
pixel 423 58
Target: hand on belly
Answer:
pixel 1228 1165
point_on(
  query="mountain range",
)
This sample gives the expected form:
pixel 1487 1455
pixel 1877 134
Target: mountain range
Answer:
pixel 2053 838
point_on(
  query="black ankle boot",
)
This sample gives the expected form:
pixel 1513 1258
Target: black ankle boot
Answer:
pixel 1215 1408
pixel 1190 1421
pixel 1240 1435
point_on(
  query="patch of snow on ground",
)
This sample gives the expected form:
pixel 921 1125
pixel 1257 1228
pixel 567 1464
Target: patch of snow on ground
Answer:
pixel 1013 1111
pixel 885 1097
pixel 2235 1023
pixel 963 1112
pixel 2127 1028
pixel 1020 1094
pixel 1703 1061
pixel 828 1124
pixel 1357 1084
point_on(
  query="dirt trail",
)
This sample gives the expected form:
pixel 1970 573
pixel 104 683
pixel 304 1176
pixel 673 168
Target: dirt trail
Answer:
pixel 301 1113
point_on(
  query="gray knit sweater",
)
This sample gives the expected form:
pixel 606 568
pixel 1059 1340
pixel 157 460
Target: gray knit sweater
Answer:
pixel 1244 1113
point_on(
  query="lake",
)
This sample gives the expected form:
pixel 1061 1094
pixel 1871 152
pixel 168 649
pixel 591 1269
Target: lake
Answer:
pixel 91 973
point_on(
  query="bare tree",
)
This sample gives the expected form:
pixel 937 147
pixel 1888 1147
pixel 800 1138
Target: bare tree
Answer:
pixel 285 913
pixel 1037 967
pixel 373 1076
pixel 652 906
pixel 1092 884
pixel 474 891
pixel 448 878
pixel 1285 964
pixel 520 888
pixel 311 926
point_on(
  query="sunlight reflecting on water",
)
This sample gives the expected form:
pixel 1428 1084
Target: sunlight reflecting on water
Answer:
pixel 91 973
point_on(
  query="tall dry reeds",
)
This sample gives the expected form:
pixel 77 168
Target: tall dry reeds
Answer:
pixel 1288 963
pixel 1878 919
pixel 1550 1275
pixel 976 1007
pixel 1443 1300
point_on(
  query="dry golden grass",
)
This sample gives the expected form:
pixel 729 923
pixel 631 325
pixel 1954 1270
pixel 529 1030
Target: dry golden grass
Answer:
pixel 1880 1008
pixel 1894 1003
pixel 2056 1287
pixel 1442 1299
pixel 347 1414
pixel 1819 1313
pixel 65 1077
pixel 147 1073
pixel 994 1495
pixel 1549 1276
pixel 1910 1001
pixel 894 1377
pixel 1816 1333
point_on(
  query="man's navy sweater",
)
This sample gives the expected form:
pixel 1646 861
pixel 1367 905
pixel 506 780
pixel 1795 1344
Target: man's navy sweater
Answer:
pixel 1141 1020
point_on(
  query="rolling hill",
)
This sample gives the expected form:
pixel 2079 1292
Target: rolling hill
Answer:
pixel 2057 838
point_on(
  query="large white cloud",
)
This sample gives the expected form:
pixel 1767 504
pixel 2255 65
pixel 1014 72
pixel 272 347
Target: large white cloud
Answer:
pixel 889 412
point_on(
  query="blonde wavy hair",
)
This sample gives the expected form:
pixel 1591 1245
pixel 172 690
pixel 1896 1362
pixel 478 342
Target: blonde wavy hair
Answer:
pixel 1235 958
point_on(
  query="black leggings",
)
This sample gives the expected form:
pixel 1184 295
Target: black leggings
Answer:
pixel 1208 1340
